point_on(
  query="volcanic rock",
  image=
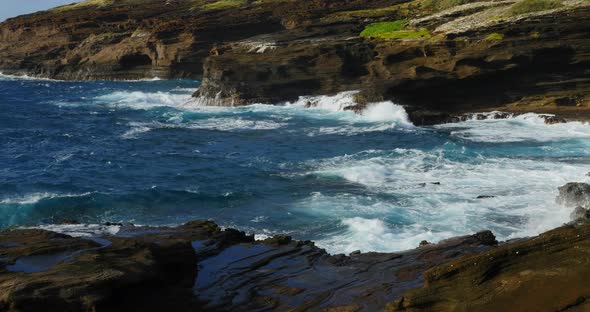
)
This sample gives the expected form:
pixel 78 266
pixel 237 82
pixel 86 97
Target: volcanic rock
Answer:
pixel 574 194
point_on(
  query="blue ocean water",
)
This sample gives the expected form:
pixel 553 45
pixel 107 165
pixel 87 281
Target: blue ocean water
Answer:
pixel 144 152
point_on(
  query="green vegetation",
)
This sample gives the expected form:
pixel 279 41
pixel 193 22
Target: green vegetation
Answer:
pixel 394 30
pixel 495 36
pixel 439 5
pixel 83 4
pixel 224 4
pixel 529 6
pixel 378 29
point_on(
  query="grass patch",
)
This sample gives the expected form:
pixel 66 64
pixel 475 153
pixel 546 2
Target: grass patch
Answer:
pixel 394 30
pixel 495 36
pixel 530 6
pixel 378 29
pixel 224 4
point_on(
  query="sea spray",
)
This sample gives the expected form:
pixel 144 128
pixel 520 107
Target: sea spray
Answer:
pixel 524 127
pixel 143 100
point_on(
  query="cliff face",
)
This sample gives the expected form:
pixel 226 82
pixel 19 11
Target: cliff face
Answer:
pixel 438 59
pixel 130 39
pixel 470 59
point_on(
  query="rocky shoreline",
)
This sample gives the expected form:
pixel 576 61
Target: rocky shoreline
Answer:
pixel 199 266
pixel 440 60
pixel 441 63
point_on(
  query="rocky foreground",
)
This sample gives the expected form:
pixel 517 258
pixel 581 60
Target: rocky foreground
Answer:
pixel 200 267
pixel 437 58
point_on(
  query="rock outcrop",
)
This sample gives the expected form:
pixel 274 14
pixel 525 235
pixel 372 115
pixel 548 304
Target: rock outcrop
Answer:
pixel 199 267
pixel 544 273
pixel 574 194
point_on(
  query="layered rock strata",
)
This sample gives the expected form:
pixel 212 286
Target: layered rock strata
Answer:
pixel 480 56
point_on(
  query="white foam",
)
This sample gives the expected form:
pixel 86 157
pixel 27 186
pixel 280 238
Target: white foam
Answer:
pixel 402 185
pixel 375 235
pixel 34 198
pixel 232 124
pixel 29 77
pixel 136 129
pixel 374 112
pixel 143 100
pixel 218 124
pixel 24 77
pixel 81 230
pixel 526 127
pixel 333 103
pixel 386 111
pixel 261 237
pixel 377 117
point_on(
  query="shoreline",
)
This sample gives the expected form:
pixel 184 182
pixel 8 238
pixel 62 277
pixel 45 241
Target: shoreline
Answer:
pixel 199 266
pixel 561 114
pixel 388 175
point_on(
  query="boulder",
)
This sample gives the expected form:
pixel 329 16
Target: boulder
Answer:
pixel 580 214
pixel 574 194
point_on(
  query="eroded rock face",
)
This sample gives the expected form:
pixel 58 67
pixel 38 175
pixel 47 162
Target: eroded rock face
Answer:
pixel 436 78
pixel 131 39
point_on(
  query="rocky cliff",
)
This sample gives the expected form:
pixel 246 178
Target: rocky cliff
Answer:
pixel 131 39
pixel 473 57
pixel 200 267
pixel 437 58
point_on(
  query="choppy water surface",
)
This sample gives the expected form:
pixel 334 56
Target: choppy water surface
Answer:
pixel 138 152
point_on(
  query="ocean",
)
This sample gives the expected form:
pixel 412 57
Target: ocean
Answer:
pixel 143 152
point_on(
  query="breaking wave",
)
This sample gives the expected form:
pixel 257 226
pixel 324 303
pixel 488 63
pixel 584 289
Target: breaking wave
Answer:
pixel 525 127
pixel 376 117
pixel 145 153
pixel 143 100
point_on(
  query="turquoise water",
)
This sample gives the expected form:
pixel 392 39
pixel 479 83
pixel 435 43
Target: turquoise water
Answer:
pixel 144 152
